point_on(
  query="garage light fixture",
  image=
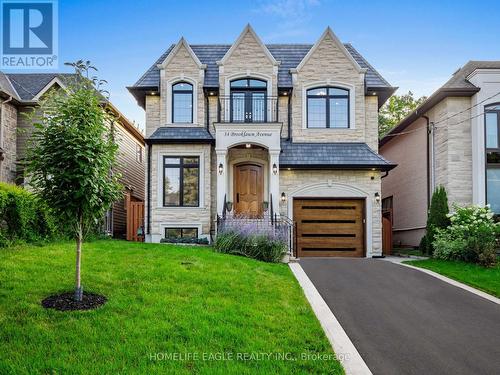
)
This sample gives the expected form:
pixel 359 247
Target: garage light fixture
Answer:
pixel 221 168
pixel 283 197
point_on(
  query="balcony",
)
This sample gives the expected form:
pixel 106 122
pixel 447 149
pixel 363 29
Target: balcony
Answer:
pixel 248 107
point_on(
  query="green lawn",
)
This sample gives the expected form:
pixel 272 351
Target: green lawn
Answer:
pixel 486 279
pixel 163 301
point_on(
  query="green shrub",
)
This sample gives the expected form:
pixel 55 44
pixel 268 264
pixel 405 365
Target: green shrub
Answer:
pixel 472 236
pixel 23 217
pixel 437 218
pixel 187 240
pixel 265 247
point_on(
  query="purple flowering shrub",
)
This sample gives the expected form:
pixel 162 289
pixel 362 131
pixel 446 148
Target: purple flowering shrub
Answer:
pixel 253 238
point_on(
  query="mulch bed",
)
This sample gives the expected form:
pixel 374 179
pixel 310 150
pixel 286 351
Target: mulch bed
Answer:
pixel 66 301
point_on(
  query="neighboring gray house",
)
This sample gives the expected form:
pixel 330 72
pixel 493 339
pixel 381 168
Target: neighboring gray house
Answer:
pixel 252 129
pixel 19 94
pixel 453 140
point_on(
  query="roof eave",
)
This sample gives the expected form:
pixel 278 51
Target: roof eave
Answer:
pixel 434 99
pixel 383 167
pixel 166 141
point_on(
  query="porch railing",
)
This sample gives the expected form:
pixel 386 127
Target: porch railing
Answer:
pixel 247 109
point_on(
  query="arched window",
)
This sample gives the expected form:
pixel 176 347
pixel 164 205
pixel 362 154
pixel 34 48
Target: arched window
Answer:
pixel 328 107
pixel 182 102
pixel 492 138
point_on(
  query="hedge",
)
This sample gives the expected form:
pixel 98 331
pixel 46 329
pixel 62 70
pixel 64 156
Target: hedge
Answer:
pixel 23 217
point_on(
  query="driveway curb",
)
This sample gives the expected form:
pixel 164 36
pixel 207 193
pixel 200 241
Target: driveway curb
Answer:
pixel 458 284
pixel 344 349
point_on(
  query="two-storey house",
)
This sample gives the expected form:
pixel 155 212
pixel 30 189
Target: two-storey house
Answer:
pixel 453 140
pixel 19 96
pixel 254 129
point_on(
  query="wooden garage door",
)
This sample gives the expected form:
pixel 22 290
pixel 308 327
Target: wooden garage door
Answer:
pixel 329 227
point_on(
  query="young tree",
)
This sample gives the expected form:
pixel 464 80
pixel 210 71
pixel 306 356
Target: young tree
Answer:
pixel 437 218
pixel 395 110
pixel 71 156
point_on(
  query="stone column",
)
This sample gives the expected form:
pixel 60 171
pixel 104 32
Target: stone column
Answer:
pixel 221 179
pixel 274 179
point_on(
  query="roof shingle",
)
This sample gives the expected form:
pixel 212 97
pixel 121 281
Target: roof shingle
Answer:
pixel 332 155
pixel 290 56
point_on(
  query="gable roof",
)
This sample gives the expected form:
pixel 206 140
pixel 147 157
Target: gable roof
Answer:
pixel 29 85
pixel 26 88
pixel 290 56
pixel 458 85
pixel 248 30
pixel 329 33
pixel 182 43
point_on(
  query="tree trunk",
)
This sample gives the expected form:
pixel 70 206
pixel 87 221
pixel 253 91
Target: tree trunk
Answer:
pixel 79 238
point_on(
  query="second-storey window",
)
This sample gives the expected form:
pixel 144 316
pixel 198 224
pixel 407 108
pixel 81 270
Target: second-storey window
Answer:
pixel 492 137
pixel 182 103
pixel 327 107
pixel 181 181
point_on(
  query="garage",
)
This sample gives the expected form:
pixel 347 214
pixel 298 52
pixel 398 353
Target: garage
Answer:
pixel 328 227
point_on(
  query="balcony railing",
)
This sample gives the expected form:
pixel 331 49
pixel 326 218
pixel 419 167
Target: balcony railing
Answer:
pixel 248 107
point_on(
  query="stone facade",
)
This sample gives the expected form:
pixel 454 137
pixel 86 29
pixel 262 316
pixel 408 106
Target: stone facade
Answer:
pixel 329 66
pixel 8 143
pixel 248 57
pixel 162 217
pixel 451 144
pixel 182 67
pixel 338 184
pixel 453 148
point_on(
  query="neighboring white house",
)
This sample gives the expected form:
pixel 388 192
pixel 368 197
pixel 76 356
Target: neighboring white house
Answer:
pixel 254 129
pixel 453 140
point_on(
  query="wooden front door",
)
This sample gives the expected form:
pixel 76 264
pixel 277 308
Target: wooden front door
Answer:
pixel 248 190
pixel 329 227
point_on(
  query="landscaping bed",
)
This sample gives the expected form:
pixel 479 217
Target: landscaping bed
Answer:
pixel 169 309
pixel 485 279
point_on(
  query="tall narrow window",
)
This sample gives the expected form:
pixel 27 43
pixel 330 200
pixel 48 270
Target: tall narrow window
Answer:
pixel 327 107
pixel 492 142
pixel 182 103
pixel 181 180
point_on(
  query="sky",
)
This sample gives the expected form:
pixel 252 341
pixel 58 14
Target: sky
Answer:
pixel 415 45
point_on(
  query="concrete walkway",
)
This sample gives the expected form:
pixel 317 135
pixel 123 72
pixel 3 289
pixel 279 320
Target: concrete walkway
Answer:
pixel 403 321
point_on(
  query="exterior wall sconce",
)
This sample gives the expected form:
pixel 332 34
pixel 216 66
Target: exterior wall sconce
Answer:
pixel 377 197
pixel 221 168
pixel 283 197
pixel 275 169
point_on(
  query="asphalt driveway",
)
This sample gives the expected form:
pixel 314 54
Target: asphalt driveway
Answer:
pixel 403 321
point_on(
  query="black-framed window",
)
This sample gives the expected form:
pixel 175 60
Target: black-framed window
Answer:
pixel 182 102
pixel 181 232
pixel 181 181
pixel 492 143
pixel 328 107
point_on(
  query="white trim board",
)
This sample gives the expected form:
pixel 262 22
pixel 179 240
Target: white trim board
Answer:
pixel 341 344
pixel 458 284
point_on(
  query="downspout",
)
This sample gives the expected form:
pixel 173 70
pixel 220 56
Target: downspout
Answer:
pixel 207 112
pixel 289 138
pixel 148 182
pixel 1 134
pixel 428 159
